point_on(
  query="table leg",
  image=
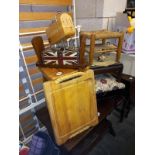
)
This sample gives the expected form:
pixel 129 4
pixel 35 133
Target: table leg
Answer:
pixel 119 49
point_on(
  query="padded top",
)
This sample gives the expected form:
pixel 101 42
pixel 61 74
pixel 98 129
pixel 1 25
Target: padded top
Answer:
pixel 106 82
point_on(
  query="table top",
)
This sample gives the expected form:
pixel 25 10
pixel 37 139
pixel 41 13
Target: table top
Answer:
pixel 54 73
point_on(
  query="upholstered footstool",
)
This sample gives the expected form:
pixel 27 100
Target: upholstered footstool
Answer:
pixel 107 82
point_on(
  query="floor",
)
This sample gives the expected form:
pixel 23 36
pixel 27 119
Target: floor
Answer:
pixel 123 143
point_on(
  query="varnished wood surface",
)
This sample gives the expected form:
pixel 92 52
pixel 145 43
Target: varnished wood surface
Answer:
pixel 51 73
pixel 71 102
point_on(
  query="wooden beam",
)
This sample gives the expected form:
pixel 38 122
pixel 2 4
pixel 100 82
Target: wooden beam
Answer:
pixel 47 2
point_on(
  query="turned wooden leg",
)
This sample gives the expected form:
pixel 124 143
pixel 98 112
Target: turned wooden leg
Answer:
pixel 119 49
pixel 82 48
pixel 92 48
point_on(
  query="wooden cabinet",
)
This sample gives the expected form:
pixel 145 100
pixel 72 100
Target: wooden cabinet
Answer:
pixel 71 102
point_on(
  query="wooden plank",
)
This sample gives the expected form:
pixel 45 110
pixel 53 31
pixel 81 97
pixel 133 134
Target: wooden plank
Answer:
pixel 47 2
pixel 21 87
pixel 31 59
pixel 30 16
pixel 26 118
pixel 37 81
pixel 28 46
pixel 31 31
pixel 33 71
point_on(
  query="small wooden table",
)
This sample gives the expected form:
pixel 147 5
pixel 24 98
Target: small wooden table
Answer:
pixel 96 35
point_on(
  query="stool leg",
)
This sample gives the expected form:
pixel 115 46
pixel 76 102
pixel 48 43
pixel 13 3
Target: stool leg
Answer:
pixel 92 48
pixel 119 49
pixel 103 41
pixel 111 130
pixel 123 110
pixel 82 48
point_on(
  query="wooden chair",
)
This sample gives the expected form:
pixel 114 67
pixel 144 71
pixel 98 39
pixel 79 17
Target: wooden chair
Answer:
pixel 48 73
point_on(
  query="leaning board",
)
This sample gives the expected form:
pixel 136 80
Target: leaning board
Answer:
pixel 71 102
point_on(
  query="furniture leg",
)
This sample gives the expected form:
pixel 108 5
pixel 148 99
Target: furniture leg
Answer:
pixel 92 47
pixel 120 42
pixel 123 110
pixel 111 130
pixel 82 48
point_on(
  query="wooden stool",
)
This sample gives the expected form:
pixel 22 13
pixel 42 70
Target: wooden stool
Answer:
pixel 96 35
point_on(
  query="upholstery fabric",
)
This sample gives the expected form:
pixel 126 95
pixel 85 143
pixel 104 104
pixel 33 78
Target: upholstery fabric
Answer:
pixel 106 82
pixel 60 56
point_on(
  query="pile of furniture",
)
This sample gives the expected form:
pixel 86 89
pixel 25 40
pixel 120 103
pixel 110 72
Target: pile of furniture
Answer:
pixel 77 109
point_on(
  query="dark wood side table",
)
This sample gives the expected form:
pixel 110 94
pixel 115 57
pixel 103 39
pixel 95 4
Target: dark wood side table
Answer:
pixel 84 142
pixel 129 82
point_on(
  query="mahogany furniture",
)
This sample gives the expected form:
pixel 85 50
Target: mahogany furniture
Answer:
pixel 129 82
pixel 40 50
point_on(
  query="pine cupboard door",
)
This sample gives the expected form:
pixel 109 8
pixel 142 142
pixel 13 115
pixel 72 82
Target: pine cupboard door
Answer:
pixel 71 102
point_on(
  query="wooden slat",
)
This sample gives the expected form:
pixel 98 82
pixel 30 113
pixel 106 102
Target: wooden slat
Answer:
pixel 47 2
pixel 33 71
pixel 25 118
pixel 31 31
pixel 21 87
pixel 28 46
pixel 37 81
pixel 30 16
pixel 31 59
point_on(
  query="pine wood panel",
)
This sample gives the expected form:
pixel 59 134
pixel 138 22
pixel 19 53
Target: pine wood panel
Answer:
pixel 47 2
pixel 28 46
pixel 31 31
pixel 71 102
pixel 33 71
pixel 37 81
pixel 30 16
pixel 21 87
pixel 26 118
pixel 31 59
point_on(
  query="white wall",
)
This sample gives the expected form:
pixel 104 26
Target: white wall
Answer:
pixel 92 14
